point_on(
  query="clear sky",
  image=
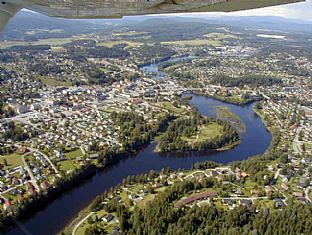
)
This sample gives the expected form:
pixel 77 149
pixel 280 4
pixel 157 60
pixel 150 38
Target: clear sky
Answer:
pixel 302 11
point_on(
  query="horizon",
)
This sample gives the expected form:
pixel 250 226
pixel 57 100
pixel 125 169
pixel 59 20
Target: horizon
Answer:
pixel 295 11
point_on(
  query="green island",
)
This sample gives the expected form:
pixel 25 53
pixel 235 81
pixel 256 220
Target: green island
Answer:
pixel 226 114
pixel 197 133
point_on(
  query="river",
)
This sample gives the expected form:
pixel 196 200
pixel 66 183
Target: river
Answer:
pixel 53 217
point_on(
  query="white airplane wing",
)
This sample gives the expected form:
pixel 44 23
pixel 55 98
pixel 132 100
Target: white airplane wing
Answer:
pixel 120 8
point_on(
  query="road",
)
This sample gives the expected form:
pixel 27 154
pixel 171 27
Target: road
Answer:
pixel 296 143
pixel 196 172
pixel 41 153
pixel 30 173
pixel 81 221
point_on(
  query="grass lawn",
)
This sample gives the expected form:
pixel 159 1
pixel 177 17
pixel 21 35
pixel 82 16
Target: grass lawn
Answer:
pixel 196 42
pixel 49 41
pixel 13 160
pixel 148 198
pixel 74 154
pixel 54 82
pixel 218 36
pixel 308 146
pixel 170 107
pixel 66 165
pixel 125 198
pixel 129 33
pixel 114 43
pixel 207 132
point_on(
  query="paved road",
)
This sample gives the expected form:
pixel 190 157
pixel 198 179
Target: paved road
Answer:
pixel 30 173
pixel 81 221
pixel 306 192
pixel 297 143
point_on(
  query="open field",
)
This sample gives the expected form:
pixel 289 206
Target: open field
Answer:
pixel 114 43
pixel 129 33
pixel 49 41
pixel 74 154
pixel 207 132
pixel 170 107
pixel 196 42
pixel 54 82
pixel 13 160
pixel 220 36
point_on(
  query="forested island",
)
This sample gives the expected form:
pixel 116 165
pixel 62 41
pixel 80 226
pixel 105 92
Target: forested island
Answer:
pixel 198 133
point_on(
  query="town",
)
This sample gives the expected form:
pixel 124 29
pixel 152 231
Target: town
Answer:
pixel 58 107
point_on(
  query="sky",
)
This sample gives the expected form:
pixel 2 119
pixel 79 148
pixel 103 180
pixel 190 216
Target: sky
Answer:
pixel 301 11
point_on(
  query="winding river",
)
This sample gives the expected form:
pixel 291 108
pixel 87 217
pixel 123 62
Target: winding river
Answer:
pixel 52 218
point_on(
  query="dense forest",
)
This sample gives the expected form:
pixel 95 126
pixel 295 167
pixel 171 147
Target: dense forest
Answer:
pixel 17 133
pixel 208 219
pixel 174 138
pixel 249 80
pixel 212 220
pixel 134 133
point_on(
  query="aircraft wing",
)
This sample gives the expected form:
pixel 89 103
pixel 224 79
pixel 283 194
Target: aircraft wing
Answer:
pixel 120 8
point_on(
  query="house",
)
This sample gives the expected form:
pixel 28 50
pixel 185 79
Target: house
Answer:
pixel 303 182
pixel 298 194
pixel 285 186
pixel 279 203
pixel 244 174
pixel 108 218
pixel 229 202
pixel 115 230
pixel 195 197
pixel 246 202
pixel 7 204
pixel 44 185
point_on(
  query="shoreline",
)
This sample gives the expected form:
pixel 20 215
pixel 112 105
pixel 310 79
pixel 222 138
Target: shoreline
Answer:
pixel 225 100
pixel 10 225
pixel 86 210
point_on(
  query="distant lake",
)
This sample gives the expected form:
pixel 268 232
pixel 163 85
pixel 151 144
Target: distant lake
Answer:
pixel 153 68
pixel 52 218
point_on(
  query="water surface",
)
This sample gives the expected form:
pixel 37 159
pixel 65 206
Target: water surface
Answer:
pixel 52 218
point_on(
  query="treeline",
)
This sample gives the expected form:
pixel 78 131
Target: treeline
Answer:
pixel 134 131
pixel 212 220
pixel 16 133
pixel 33 203
pixel 173 140
pixel 134 134
pixel 6 75
pixel 82 49
pixel 250 80
pixel 257 166
pixel 5 150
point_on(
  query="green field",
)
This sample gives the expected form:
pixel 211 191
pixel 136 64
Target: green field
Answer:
pixel 114 43
pixel 74 154
pixel 170 107
pixel 13 160
pixel 66 165
pixel 49 41
pixel 54 82
pixel 129 33
pixel 196 42
pixel 308 146
pixel 208 132
pixel 219 36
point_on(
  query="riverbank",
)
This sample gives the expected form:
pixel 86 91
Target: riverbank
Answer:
pixel 230 99
pixel 118 190
pixel 78 198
